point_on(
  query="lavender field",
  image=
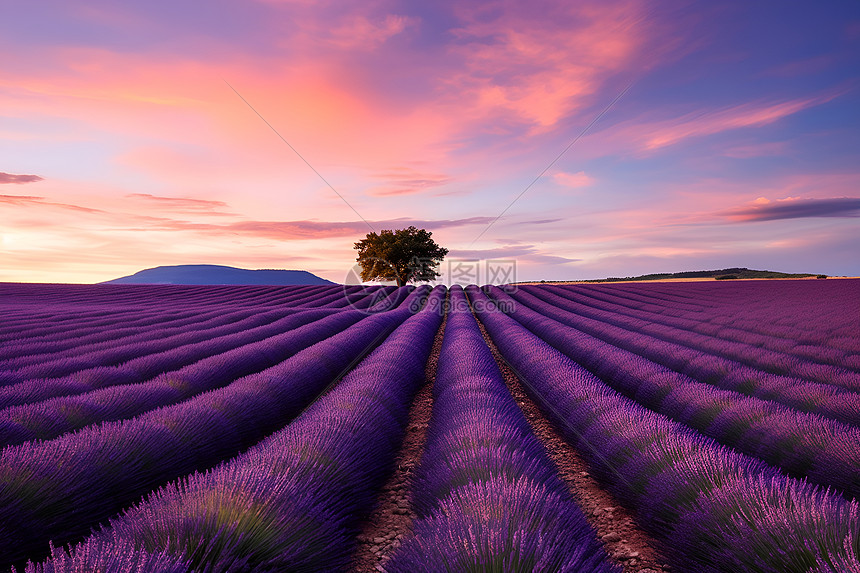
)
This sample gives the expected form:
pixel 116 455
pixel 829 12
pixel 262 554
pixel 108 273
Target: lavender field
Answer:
pixel 228 428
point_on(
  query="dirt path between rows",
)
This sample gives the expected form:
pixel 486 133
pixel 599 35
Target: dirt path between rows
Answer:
pixel 392 519
pixel 626 543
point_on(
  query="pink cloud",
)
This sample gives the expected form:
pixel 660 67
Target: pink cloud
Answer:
pixel 661 134
pixel 407 181
pixel 520 253
pixel 30 201
pixel 767 149
pixel 578 179
pixel 21 199
pixel 657 130
pixel 359 32
pixel 186 204
pixel 537 66
pixel 305 230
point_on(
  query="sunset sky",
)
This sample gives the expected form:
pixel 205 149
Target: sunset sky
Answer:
pixel 126 141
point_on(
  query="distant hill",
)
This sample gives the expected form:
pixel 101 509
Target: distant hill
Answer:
pixel 738 273
pixel 733 273
pixel 218 275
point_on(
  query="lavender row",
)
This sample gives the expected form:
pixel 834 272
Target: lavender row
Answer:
pixel 760 358
pixel 232 348
pixel 334 298
pixel 293 502
pixel 487 496
pixel 161 296
pixel 122 349
pixel 50 331
pixel 33 350
pixel 808 313
pixel 58 489
pixel 34 319
pixel 827 400
pixel 803 445
pixel 693 315
pixel 330 295
pixel 372 298
pixel 787 347
pixel 395 298
pixel 698 321
pixel 145 349
pixel 24 352
pixel 715 510
pixel 99 370
pixel 152 304
pixel 797 311
pixel 51 418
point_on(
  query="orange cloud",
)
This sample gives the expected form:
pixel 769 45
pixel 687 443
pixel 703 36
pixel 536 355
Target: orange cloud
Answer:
pixel 539 66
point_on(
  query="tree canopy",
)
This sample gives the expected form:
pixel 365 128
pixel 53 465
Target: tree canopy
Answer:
pixel 402 255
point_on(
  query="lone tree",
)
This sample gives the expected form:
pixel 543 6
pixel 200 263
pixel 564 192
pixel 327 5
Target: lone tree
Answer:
pixel 402 255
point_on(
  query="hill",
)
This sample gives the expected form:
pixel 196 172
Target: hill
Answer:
pixel 218 275
pixel 733 273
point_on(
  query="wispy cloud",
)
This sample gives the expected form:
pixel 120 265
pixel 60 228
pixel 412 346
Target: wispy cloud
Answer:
pixel 765 149
pixel 537 67
pixel 524 253
pixel 181 204
pixel 21 199
pixel 538 222
pixel 649 133
pixel 407 181
pixel 30 200
pixel 359 32
pixel 745 115
pixel 578 179
pixel 306 230
pixel 763 209
pixel 18 179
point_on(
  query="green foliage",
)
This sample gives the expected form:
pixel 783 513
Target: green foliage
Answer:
pixel 402 255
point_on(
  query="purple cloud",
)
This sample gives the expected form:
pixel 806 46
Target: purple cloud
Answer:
pixel 297 230
pixel 797 209
pixel 522 252
pixel 18 179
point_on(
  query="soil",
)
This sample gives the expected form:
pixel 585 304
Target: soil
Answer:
pixel 392 519
pixel 626 544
